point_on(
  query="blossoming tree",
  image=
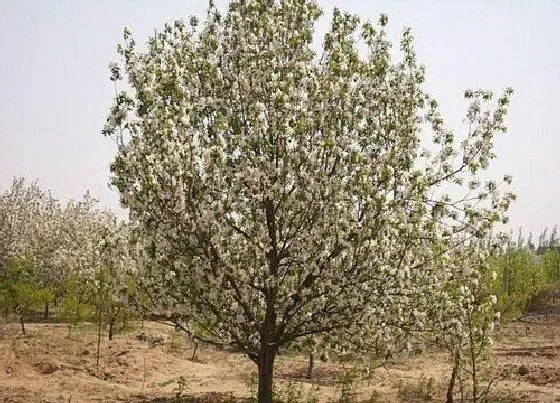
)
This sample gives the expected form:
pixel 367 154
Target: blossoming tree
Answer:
pixel 75 252
pixel 97 246
pixel 28 247
pixel 284 193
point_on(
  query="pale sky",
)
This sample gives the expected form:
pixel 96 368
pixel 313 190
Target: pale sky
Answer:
pixel 55 92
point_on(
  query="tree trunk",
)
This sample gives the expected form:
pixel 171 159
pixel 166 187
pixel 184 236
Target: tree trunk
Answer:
pixel 46 313
pixel 22 324
pixel 98 341
pixel 506 281
pixel 111 327
pixel 269 333
pixel 266 373
pixel 451 384
pixel 311 366
pixel 193 358
pixel 473 357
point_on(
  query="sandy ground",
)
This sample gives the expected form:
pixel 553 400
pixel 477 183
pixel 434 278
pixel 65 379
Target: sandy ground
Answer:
pixel 46 366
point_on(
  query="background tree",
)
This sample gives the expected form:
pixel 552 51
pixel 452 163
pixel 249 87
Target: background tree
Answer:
pixel 100 252
pixel 20 292
pixel 27 247
pixel 50 251
pixel 465 319
pixel 284 193
pixel 117 258
pixel 519 277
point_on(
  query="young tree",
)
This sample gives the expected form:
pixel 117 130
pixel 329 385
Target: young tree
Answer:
pixel 49 251
pixel 465 317
pixel 282 193
pixel 551 262
pixel 74 307
pixel 100 253
pixel 20 292
pixel 111 278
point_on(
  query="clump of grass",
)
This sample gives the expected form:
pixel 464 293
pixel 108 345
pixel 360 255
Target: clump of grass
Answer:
pixel 251 385
pixel 348 386
pixel 424 389
pixel 288 393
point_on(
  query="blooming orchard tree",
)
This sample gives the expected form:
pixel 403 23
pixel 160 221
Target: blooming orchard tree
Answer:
pixel 464 317
pixel 46 247
pixel 117 258
pixel 50 250
pixel 26 250
pixel 82 233
pixel 99 253
pixel 284 193
pixel 23 209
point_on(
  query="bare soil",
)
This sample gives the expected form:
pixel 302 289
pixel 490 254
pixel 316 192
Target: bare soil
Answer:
pixel 47 366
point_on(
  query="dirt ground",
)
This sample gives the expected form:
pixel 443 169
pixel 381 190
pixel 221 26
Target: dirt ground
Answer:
pixel 46 366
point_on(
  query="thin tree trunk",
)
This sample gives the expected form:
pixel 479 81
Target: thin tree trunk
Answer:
pixel 266 373
pixel 311 366
pixel 114 314
pixel 473 363
pixel 451 385
pixel 46 313
pixel 22 324
pixel 69 330
pixel 507 281
pixel 111 327
pixel 193 358
pixel 98 340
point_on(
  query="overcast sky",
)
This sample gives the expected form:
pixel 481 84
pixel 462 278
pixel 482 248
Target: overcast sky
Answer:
pixel 55 92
